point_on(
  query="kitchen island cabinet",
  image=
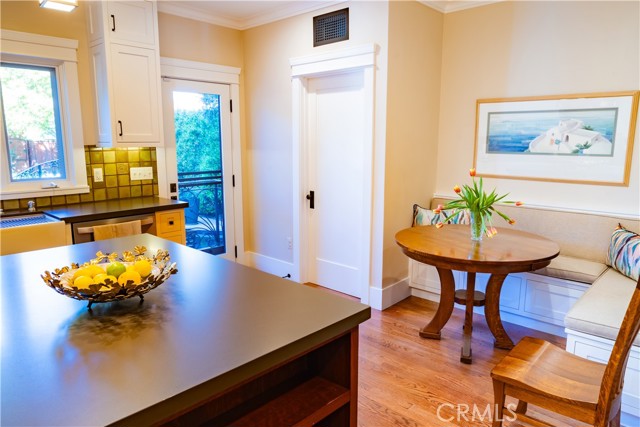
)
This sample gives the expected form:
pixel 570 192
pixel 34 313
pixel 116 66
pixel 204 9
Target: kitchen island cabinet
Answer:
pixel 217 343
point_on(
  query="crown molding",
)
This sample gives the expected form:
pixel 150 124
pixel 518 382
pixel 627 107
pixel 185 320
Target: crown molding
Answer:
pixel 293 9
pixel 448 6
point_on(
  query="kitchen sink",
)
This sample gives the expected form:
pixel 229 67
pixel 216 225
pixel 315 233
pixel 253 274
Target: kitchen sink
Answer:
pixel 17 221
pixel 23 233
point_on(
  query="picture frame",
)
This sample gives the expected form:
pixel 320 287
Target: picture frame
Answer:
pixel 581 138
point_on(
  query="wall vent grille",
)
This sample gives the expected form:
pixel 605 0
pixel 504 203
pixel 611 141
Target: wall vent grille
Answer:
pixel 331 27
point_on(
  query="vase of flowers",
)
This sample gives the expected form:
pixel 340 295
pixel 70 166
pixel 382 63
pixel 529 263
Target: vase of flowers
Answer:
pixel 479 205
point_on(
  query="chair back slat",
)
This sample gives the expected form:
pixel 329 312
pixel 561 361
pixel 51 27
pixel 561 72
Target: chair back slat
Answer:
pixel 613 378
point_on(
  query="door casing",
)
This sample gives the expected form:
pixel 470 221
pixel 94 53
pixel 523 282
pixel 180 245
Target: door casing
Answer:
pixel 217 74
pixel 357 59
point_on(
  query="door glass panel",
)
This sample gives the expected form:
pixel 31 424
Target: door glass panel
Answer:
pixel 199 159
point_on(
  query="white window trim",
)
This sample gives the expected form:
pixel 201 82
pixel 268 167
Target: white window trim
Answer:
pixel 62 54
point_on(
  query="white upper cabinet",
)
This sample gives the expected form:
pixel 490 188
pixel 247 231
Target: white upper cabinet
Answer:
pixel 137 106
pixel 123 38
pixel 128 22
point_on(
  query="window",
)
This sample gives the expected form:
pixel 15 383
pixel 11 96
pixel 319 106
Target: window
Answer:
pixel 31 113
pixel 42 150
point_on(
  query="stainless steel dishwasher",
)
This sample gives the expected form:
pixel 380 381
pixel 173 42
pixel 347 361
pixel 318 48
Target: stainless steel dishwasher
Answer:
pixel 83 231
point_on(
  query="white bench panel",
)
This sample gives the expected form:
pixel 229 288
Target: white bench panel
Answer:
pixel 548 300
pixel 599 349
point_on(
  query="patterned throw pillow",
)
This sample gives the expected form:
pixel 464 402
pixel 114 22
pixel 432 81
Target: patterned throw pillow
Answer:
pixel 624 252
pixel 423 216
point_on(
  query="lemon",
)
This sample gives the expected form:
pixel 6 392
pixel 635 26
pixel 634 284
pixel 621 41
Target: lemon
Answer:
pixel 116 269
pixel 94 270
pixel 127 276
pixel 83 282
pixel 84 271
pixel 143 267
pixel 101 278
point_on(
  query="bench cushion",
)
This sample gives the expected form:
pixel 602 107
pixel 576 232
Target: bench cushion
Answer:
pixel 576 269
pixel 601 309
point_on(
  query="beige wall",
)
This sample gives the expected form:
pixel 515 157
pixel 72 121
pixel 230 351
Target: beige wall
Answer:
pixel 514 49
pixel 413 101
pixel 268 49
pixel 28 17
pixel 191 40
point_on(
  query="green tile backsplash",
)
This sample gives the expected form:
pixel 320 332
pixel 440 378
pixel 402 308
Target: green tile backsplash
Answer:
pixel 115 164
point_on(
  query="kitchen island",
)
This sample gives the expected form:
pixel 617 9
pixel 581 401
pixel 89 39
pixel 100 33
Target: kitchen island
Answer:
pixel 217 343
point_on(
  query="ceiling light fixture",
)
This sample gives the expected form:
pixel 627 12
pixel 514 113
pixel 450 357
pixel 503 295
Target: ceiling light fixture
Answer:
pixel 63 5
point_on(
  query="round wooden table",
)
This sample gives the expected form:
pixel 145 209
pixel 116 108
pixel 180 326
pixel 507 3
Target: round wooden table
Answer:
pixel 451 248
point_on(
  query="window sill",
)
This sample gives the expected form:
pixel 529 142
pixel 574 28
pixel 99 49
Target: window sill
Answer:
pixel 45 192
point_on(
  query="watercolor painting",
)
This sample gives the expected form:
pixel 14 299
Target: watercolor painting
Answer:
pixel 567 132
pixel 582 138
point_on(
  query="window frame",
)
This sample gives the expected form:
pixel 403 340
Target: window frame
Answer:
pixel 61 54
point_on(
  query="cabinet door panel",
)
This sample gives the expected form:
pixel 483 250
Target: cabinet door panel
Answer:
pixel 131 21
pixel 135 89
pixel 101 87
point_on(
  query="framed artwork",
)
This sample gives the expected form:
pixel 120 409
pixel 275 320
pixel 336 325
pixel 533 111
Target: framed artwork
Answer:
pixel 584 138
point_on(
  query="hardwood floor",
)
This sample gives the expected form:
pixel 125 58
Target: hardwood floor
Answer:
pixel 408 381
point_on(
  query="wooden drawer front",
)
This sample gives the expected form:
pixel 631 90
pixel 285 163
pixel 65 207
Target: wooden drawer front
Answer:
pixel 169 222
pixel 174 237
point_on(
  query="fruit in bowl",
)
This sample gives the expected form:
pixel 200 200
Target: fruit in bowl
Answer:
pixel 120 277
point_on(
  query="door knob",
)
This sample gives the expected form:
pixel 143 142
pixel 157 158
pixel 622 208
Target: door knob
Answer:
pixel 311 199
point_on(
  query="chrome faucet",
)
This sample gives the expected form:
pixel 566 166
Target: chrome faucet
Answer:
pixel 31 206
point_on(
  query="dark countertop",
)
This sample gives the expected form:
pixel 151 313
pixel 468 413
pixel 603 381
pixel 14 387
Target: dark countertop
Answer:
pixel 213 324
pixel 112 208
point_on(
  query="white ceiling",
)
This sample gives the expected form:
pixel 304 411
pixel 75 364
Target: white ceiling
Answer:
pixel 243 14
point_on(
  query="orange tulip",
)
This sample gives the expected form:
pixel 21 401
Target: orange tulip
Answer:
pixel 512 221
pixel 519 203
pixel 492 231
pixel 457 189
pixel 472 171
pixel 439 225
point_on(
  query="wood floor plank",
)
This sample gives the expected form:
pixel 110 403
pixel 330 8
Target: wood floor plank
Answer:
pixel 406 380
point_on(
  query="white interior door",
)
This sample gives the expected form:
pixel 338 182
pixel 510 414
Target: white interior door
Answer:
pixel 198 157
pixel 336 138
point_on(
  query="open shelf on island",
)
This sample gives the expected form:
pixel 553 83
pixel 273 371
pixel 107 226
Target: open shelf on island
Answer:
pixel 305 405
pixel 316 388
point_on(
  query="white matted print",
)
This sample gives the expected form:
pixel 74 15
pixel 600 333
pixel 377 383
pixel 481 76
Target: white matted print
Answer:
pixel 585 138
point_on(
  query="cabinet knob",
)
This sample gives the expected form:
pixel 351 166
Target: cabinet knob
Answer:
pixel 171 222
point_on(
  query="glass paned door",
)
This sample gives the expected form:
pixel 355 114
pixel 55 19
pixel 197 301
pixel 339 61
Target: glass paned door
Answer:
pixel 198 157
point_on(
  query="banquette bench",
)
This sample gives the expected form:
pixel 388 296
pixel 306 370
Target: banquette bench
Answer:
pixel 577 295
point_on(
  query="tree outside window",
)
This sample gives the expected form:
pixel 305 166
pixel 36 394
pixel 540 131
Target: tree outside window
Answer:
pixel 31 114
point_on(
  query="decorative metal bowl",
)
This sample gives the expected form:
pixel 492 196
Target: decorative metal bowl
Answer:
pixel 61 279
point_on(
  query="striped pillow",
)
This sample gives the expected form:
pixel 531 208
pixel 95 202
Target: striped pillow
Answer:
pixel 624 252
pixel 423 216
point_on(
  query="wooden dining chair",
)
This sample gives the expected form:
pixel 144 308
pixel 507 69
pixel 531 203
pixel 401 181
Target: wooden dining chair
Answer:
pixel 540 373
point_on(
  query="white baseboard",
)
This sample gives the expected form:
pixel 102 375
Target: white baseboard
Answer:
pixel 267 264
pixel 430 296
pixel 381 298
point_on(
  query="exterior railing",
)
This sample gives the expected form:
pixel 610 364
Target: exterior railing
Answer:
pixel 50 169
pixel 205 215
